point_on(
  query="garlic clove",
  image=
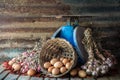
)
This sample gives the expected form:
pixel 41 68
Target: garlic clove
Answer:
pixel 83 67
pixel 88 71
pixel 94 73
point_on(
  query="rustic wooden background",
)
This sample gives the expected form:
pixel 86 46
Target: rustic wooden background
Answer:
pixel 23 22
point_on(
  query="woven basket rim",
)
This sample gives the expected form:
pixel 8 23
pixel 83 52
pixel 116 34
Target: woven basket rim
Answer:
pixel 74 59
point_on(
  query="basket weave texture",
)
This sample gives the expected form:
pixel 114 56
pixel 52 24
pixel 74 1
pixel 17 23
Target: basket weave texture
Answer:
pixel 57 48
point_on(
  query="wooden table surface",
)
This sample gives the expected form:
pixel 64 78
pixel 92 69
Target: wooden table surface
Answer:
pixel 6 75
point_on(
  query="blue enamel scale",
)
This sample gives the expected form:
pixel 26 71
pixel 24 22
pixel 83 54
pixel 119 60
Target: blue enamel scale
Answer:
pixel 74 35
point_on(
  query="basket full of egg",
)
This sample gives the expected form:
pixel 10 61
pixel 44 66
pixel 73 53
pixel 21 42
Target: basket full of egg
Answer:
pixel 57 57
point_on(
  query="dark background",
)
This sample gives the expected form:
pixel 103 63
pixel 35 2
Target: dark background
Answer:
pixel 23 22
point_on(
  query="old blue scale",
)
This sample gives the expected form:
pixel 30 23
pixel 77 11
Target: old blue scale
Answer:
pixel 74 35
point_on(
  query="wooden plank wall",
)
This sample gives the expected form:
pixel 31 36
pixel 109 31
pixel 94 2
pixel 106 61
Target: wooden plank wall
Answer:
pixel 23 22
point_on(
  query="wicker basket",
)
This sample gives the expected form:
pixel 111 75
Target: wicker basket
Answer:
pixel 56 48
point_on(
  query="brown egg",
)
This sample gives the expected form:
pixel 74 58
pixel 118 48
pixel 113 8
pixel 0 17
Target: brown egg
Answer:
pixel 31 72
pixel 11 63
pixel 68 65
pixel 58 64
pixel 63 69
pixel 16 66
pixel 53 61
pixel 61 59
pixel 73 72
pixel 65 61
pixel 71 61
pixel 50 69
pixel 47 65
pixel 82 74
pixel 55 71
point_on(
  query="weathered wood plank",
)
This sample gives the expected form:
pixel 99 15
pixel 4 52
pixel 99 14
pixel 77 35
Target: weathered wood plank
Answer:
pixel 116 77
pixel 63 78
pixel 11 77
pixel 4 74
pixel 50 78
pixel 1 68
pixel 36 78
pixel 21 77
pixel 89 79
pixel 29 1
pixel 57 24
pixel 75 78
pixel 103 78
pixel 37 24
pixel 33 30
pixel 48 10
pixel 38 4
pixel 7 35
pixel 93 2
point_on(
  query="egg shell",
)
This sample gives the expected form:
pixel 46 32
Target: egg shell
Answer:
pixel 58 64
pixel 47 65
pixel 73 72
pixel 71 61
pixel 31 72
pixel 82 74
pixel 55 71
pixel 53 61
pixel 63 69
pixel 14 65
pixel 68 65
pixel 50 69
pixel 61 59
pixel 65 61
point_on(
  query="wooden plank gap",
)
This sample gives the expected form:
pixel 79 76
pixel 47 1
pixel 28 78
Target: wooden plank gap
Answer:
pixel 1 68
pixel 4 74
pixel 36 78
pixel 11 77
pixel 22 77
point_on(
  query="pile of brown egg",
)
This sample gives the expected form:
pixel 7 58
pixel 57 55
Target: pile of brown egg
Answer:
pixel 58 66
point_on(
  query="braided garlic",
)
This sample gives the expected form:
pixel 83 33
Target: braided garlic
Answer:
pixel 98 63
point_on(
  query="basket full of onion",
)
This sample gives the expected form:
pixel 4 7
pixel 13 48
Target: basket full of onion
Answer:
pixel 57 57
